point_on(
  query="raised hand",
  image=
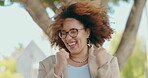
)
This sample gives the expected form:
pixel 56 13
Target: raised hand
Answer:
pixel 62 57
pixel 101 56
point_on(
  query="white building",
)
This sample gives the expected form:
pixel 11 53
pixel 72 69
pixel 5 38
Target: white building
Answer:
pixel 28 61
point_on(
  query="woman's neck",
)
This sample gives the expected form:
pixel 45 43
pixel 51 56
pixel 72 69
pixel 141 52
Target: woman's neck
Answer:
pixel 80 59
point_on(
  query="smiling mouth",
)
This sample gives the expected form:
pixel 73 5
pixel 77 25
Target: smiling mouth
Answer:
pixel 72 44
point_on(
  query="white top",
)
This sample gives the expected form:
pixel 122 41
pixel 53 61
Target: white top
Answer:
pixel 78 72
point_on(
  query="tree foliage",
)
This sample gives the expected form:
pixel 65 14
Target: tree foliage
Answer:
pixel 2 3
pixel 135 64
pixel 8 64
pixel 8 68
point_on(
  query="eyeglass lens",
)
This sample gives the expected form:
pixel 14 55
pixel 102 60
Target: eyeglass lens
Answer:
pixel 72 33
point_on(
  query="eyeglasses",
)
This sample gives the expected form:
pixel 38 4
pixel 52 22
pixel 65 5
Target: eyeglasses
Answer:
pixel 72 33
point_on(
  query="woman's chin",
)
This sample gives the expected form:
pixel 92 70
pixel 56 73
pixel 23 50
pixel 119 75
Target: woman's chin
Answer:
pixel 72 49
pixel 73 52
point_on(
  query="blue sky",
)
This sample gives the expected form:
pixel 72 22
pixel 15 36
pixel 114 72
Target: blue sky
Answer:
pixel 16 26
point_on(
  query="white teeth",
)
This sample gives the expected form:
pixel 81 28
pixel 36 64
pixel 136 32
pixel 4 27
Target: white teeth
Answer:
pixel 72 43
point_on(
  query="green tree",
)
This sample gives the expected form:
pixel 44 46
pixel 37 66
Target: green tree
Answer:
pixel 37 10
pixel 9 64
pixel 136 62
pixel 8 68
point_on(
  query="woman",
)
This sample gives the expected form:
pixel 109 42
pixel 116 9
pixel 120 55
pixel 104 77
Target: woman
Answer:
pixel 79 31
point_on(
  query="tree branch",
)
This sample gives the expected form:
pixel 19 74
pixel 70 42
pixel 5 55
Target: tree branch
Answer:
pixel 51 5
pixel 37 12
pixel 127 43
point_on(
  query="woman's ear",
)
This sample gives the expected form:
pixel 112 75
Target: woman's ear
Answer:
pixel 88 32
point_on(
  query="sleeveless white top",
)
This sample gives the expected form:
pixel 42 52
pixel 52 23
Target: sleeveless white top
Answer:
pixel 78 72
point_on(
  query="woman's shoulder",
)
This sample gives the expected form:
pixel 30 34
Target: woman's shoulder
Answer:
pixel 49 59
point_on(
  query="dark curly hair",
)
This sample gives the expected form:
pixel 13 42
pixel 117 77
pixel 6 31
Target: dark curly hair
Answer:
pixel 90 15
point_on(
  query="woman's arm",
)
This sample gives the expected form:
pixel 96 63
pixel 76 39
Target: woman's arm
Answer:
pixel 42 73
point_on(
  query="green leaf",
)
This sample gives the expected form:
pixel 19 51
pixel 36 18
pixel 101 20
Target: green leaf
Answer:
pixel 1 3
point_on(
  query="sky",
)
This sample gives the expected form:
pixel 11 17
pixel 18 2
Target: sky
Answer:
pixel 17 26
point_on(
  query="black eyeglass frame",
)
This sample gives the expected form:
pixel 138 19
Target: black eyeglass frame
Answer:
pixel 77 30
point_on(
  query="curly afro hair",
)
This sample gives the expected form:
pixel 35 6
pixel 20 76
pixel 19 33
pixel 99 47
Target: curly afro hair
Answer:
pixel 90 14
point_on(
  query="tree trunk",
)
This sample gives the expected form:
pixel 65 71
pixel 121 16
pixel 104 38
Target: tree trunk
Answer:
pixel 127 43
pixel 37 12
pixel 52 5
pixel 103 3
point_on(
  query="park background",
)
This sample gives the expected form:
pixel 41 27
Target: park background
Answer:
pixel 19 35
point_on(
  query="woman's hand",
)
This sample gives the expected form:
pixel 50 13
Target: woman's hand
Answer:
pixel 101 56
pixel 62 57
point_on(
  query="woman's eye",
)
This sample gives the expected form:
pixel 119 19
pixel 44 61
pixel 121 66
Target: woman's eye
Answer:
pixel 73 31
pixel 63 33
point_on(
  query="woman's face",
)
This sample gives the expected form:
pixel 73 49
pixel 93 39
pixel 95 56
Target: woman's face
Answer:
pixel 78 43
